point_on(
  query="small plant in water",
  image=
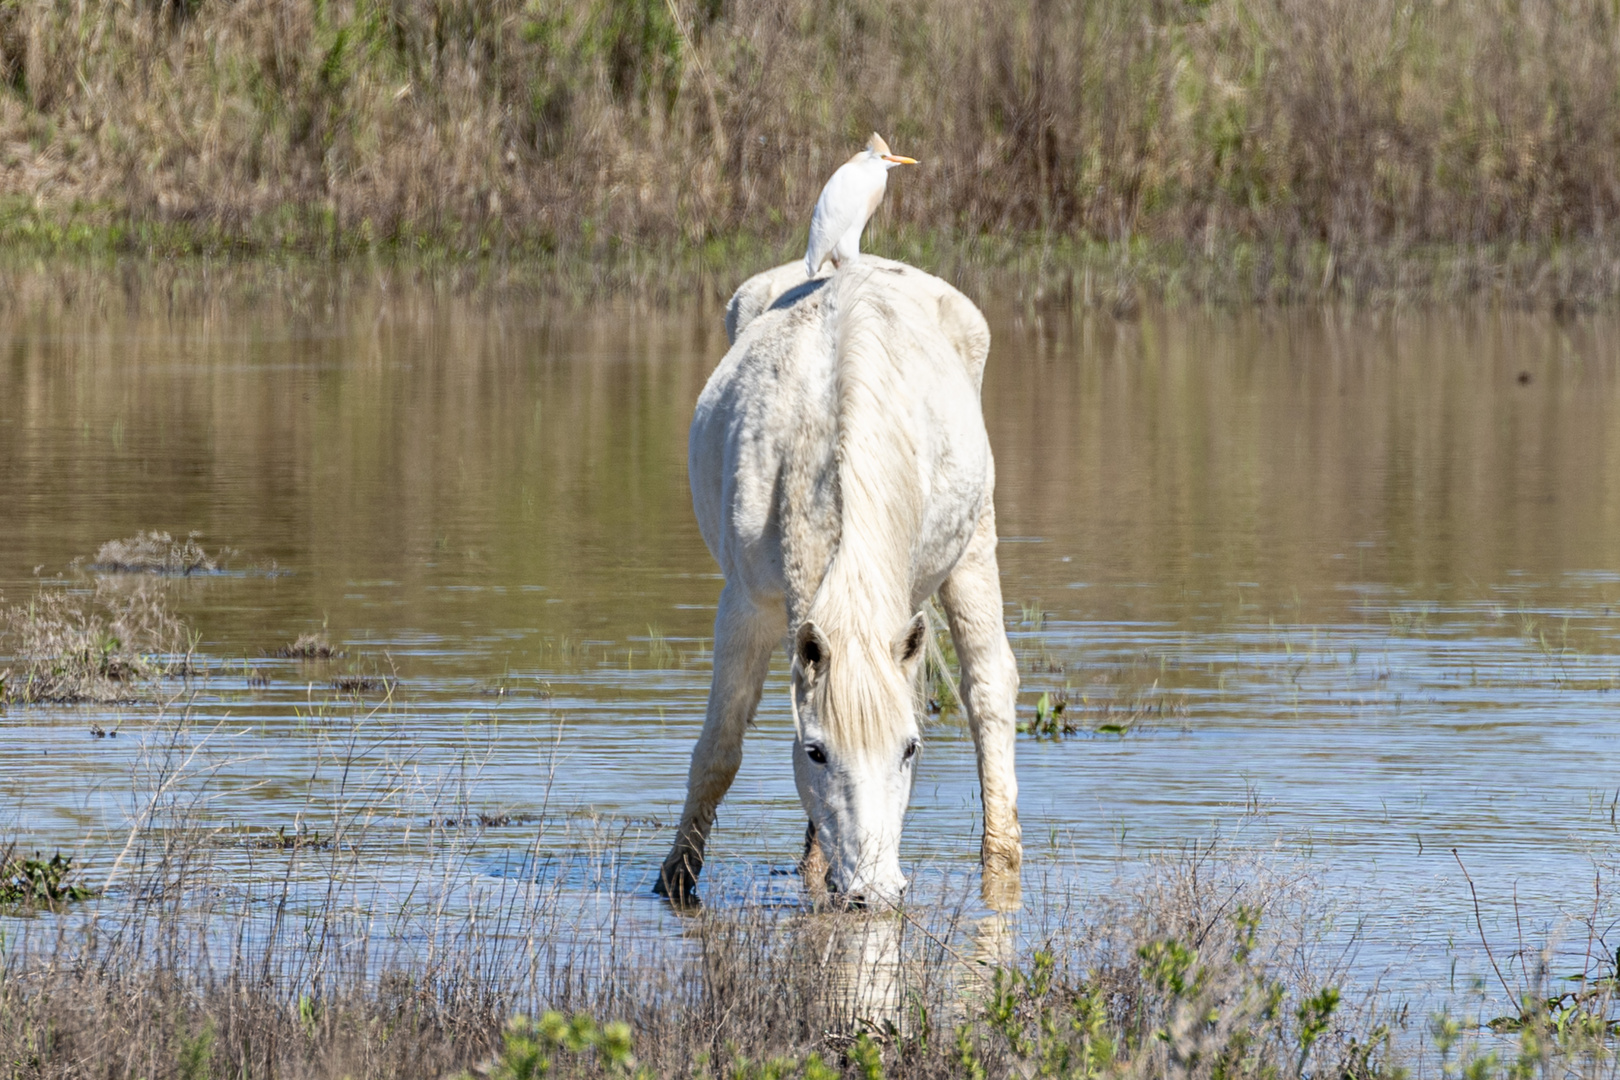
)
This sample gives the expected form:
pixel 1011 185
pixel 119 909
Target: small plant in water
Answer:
pixel 660 654
pixel 313 646
pixel 1049 722
pixel 1057 715
pixel 39 882
pixel 1032 615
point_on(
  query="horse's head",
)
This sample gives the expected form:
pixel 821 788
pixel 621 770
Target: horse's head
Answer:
pixel 856 750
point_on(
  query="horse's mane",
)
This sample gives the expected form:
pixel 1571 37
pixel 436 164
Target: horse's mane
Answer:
pixel 865 595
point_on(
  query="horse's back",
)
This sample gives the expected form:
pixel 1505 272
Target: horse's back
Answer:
pixel 766 427
pixel 783 286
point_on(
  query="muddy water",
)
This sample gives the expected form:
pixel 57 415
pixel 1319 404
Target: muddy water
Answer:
pixel 1342 589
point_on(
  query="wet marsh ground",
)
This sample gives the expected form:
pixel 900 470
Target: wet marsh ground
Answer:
pixel 1322 598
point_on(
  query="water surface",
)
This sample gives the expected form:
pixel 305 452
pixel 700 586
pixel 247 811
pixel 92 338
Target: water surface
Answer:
pixel 1349 582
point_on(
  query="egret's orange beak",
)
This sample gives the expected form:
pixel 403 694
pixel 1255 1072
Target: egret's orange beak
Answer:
pixel 898 160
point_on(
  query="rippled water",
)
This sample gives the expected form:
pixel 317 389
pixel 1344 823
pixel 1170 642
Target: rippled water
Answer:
pixel 1349 584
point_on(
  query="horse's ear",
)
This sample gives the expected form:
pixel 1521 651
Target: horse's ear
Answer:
pixel 810 648
pixel 910 645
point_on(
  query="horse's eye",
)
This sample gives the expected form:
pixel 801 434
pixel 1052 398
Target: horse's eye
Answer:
pixel 816 754
pixel 911 750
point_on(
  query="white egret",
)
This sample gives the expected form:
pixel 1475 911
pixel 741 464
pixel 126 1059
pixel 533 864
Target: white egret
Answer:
pixel 848 200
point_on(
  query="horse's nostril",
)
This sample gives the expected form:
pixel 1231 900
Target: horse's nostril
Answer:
pixel 855 902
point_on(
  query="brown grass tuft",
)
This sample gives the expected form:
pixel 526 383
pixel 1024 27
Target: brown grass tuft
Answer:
pixel 110 645
pixel 155 553
pixel 310 646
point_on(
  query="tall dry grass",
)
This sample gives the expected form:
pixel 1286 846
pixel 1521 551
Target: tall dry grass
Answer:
pixel 1353 129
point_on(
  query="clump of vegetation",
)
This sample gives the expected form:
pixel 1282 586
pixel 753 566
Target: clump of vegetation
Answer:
pixel 1056 715
pixel 39 882
pixel 529 1047
pixel 485 819
pixel 155 553
pixel 299 839
pixel 363 684
pixel 310 646
pixel 1184 1010
pixel 112 644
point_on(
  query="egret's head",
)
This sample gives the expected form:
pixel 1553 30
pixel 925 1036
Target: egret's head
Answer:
pixel 878 150
pixel 856 749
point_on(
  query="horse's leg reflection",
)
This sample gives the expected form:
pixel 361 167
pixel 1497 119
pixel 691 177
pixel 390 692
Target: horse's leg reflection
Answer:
pixel 856 971
pixel 863 984
pixel 1000 888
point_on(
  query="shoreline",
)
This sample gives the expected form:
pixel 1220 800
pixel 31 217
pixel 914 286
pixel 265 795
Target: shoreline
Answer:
pixel 1050 269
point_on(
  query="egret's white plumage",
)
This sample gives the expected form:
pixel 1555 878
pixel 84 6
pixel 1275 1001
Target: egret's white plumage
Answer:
pixel 850 198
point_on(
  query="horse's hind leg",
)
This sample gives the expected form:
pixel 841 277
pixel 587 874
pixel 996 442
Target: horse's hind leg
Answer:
pixel 744 637
pixel 971 596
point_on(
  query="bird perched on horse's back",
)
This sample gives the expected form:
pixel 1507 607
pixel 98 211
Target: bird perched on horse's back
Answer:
pixel 850 198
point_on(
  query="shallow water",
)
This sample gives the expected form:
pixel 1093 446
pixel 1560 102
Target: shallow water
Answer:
pixel 1349 582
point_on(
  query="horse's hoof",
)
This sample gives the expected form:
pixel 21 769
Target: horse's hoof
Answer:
pixel 679 887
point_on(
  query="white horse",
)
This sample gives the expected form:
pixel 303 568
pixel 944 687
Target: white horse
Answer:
pixel 841 476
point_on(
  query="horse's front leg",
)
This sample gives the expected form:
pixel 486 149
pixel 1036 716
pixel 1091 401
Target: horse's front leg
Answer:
pixel 744 637
pixel 971 596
